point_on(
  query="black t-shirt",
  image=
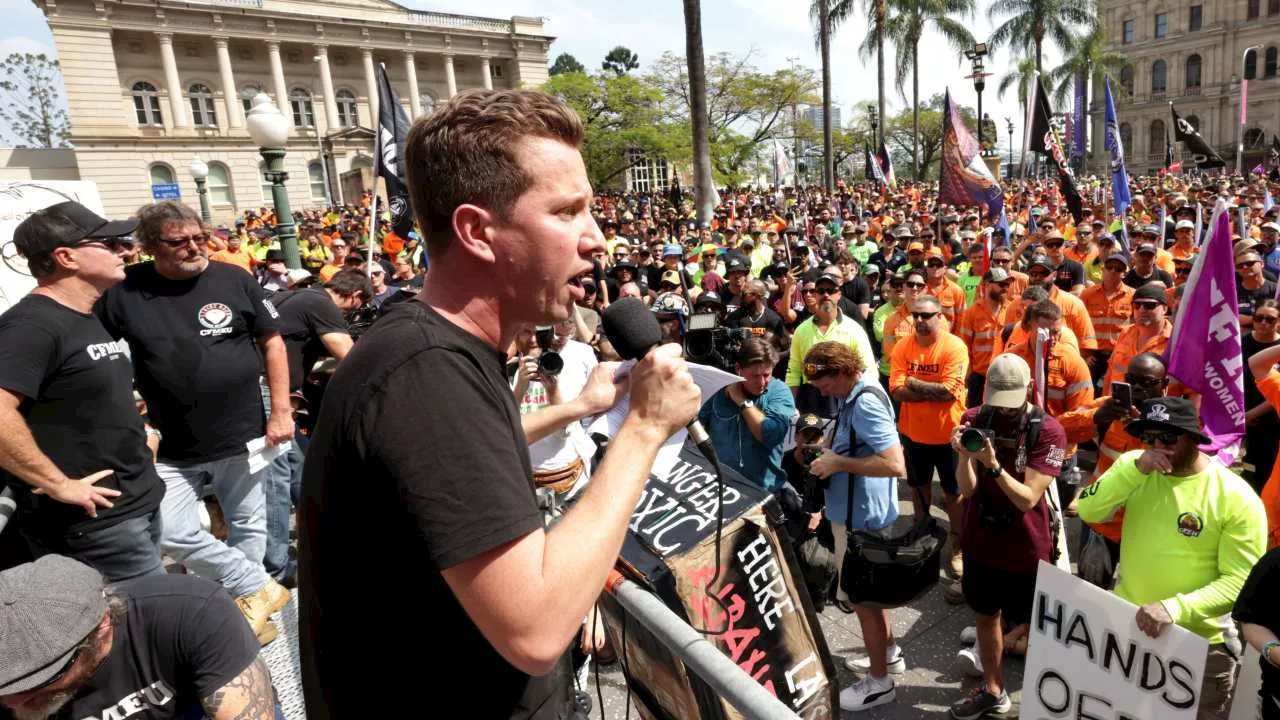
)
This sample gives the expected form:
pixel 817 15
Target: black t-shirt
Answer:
pixel 181 640
pixel 1068 275
pixel 306 315
pixel 768 320
pixel 195 354
pixel 1135 281
pixel 857 291
pixel 77 385
pixel 418 453
pixel 1247 299
pixel 1257 605
pixel 1252 398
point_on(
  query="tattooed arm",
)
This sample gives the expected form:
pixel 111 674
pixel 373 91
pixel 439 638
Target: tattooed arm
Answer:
pixel 247 696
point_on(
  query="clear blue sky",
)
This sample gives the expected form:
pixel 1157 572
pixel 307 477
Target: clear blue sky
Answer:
pixel 776 29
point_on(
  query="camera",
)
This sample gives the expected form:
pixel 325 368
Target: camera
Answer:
pixel 974 439
pixel 549 362
pixel 709 343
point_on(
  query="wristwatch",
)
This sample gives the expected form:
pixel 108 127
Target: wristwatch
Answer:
pixel 748 403
pixel 993 473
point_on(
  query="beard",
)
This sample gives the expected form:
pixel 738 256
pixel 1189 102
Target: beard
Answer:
pixel 43 709
pixel 827 306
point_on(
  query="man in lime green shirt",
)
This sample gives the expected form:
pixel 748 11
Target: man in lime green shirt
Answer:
pixel 827 324
pixel 1192 531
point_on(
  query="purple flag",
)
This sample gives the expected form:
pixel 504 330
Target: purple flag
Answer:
pixel 965 179
pixel 1078 124
pixel 1204 351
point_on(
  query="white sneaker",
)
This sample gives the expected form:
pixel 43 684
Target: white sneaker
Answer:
pixel 969 662
pixel 867 693
pixel 969 636
pixel 894 660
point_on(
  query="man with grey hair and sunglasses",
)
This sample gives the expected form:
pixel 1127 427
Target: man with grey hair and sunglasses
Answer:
pixel 72 444
pixel 201 335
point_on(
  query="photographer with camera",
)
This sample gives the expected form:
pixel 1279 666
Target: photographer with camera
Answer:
pixel 748 420
pixel 1010 451
pixel 803 498
pixel 865 446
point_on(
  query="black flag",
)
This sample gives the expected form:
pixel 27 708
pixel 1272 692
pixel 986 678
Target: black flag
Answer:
pixel 388 155
pixel 1045 139
pixel 867 172
pixel 1168 152
pixel 1204 156
pixel 1275 150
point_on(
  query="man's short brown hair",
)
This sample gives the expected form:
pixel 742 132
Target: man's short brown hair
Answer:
pixel 465 152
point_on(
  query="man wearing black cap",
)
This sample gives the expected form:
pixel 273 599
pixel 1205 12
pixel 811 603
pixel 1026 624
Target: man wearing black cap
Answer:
pixel 1192 531
pixel 72 445
pixel 1252 285
pixel 1144 268
pixel 1149 332
pixel 161 646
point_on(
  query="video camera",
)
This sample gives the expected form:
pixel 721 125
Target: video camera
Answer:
pixel 710 343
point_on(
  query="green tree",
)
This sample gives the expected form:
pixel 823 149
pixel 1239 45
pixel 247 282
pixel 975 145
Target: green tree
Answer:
pixel 907 27
pixel 566 63
pixel 901 138
pixel 1088 57
pixel 745 107
pixel 1023 75
pixel 821 11
pixel 622 121
pixel 620 61
pixel 695 94
pixel 876 13
pixel 1031 22
pixel 30 96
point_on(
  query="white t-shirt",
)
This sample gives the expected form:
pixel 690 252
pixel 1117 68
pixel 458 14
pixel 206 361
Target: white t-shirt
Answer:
pixel 556 450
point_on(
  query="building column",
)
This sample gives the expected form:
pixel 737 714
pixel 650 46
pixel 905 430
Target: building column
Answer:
pixel 177 104
pixel 371 79
pixel 450 80
pixel 235 110
pixel 484 71
pixel 277 78
pixel 411 73
pixel 326 87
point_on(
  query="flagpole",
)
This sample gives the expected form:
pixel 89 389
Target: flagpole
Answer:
pixel 373 228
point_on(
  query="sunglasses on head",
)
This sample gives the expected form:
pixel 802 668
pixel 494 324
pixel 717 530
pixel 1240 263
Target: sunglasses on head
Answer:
pixel 1164 437
pixel 813 371
pixel 924 316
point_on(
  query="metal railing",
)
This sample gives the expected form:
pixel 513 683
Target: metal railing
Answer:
pixel 461 22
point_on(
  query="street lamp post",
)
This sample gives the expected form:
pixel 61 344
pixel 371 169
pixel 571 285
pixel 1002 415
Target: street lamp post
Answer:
pixel 875 123
pixel 1009 123
pixel 200 171
pixel 1244 92
pixel 269 128
pixel 979 78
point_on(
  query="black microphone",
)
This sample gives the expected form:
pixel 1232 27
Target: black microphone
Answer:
pixel 633 331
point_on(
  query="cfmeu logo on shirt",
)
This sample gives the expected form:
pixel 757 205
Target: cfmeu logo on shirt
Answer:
pixel 216 319
pixel 107 350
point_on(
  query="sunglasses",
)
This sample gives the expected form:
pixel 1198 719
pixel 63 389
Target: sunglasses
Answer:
pixel 1265 318
pixel 1243 265
pixel 1164 437
pixel 1182 271
pixel 61 674
pixel 825 292
pixel 813 371
pixel 915 285
pixel 924 316
pixel 935 264
pixel 1115 268
pixel 1146 305
pixel 115 244
pixel 1001 261
pixel 179 243
pixel 1055 244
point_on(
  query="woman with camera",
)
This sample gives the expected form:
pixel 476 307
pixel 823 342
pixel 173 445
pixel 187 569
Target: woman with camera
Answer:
pixel 748 420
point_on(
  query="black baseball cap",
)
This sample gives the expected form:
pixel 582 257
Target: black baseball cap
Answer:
pixel 64 225
pixel 1151 292
pixel 1167 413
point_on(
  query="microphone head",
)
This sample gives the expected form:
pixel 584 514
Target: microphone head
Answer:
pixel 631 328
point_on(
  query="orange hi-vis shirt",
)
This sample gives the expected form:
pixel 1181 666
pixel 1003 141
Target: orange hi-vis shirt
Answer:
pixel 1115 442
pixel 1068 385
pixel 1127 347
pixel 1269 386
pixel 946 362
pixel 1074 316
pixel 1082 258
pixel 242 259
pixel 950 296
pixel 1109 313
pixel 1180 253
pixel 1019 337
pixel 900 325
pixel 979 328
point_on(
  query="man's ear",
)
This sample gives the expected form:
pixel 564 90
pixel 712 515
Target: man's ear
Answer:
pixel 474 229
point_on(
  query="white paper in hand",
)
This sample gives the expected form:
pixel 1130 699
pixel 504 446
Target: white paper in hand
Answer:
pixel 710 380
pixel 261 456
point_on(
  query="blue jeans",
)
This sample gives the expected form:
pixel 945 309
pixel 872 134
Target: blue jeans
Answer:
pixel 236 565
pixel 122 551
pixel 281 484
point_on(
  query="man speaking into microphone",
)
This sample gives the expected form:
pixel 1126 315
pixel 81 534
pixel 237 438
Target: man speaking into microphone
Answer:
pixel 426 578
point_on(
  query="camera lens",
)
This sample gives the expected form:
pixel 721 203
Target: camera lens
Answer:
pixel 550 362
pixel 972 440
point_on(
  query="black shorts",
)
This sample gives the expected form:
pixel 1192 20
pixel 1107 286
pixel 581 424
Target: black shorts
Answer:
pixel 922 460
pixel 989 591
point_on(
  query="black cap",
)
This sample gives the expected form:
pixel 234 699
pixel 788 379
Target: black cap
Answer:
pixel 63 225
pixel 1167 413
pixel 808 421
pixel 275 256
pixel 709 297
pixel 1151 292
pixel 1043 261
pixel 735 264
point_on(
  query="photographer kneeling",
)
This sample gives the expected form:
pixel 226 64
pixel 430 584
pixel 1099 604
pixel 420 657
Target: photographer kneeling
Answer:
pixel 1010 451
pixel 866 446
pixel 748 421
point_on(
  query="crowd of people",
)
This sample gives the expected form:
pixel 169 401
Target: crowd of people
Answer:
pixel 164 363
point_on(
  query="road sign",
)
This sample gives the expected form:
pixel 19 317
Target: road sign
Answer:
pixel 165 191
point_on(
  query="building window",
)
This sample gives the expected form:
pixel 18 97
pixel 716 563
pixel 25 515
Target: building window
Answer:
pixel 219 184
pixel 1269 63
pixel 1162 25
pixel 1126 79
pixel 300 103
pixel 202 113
pixel 146 103
pixel 161 174
pixel 1254 6
pixel 1193 71
pixel 1159 76
pixel 1197 18
pixel 1126 32
pixel 428 104
pixel 347 115
pixel 247 94
pixel 1156 143
pixel 315 176
pixel 1251 64
pixel 1126 139
pixel 264 182
pixel 648 175
pixel 495 71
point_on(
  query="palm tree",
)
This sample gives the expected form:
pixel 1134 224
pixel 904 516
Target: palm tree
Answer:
pixel 877 13
pixel 1087 57
pixel 1031 22
pixel 906 28
pixel 1023 75
pixel 821 9
pixel 703 187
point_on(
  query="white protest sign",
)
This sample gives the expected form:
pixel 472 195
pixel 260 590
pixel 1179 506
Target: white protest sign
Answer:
pixel 1088 659
pixel 17 201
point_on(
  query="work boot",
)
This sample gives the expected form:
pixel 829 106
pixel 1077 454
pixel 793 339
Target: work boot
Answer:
pixel 268 634
pixel 955 562
pixel 258 607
